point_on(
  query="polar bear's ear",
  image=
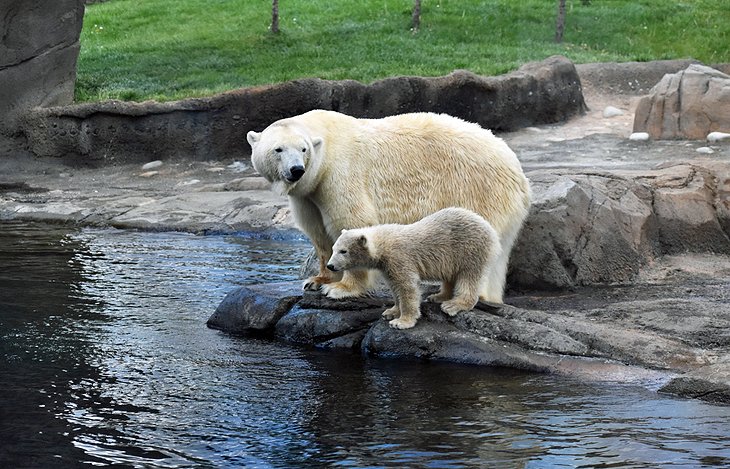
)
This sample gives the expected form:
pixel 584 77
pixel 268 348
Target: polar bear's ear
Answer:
pixel 343 231
pixel 253 137
pixel 317 142
pixel 363 241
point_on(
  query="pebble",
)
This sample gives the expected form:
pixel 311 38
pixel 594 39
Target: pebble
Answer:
pixel 717 136
pixel 705 150
pixel 611 111
pixel 216 169
pixel 639 136
pixel 238 167
pixel 149 174
pixel 189 183
pixel 152 165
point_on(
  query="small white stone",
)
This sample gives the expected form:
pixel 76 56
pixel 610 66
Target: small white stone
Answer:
pixel 152 165
pixel 717 136
pixel 705 150
pixel 189 183
pixel 238 167
pixel 639 136
pixel 149 174
pixel 611 111
pixel 215 169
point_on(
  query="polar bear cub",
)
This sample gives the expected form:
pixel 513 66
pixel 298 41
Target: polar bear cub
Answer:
pixel 454 245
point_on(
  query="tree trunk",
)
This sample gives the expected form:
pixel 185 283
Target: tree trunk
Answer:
pixel 275 16
pixel 560 24
pixel 416 17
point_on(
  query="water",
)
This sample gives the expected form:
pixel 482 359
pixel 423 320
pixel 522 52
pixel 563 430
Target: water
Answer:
pixel 105 360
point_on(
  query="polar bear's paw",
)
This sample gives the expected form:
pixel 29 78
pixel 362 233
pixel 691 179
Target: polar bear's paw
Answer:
pixel 339 290
pixel 403 323
pixel 391 313
pixel 315 283
pixel 452 307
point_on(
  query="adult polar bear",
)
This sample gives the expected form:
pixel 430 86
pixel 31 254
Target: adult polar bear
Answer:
pixel 342 173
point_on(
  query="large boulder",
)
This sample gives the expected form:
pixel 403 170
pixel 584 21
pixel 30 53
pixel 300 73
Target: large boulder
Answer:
pixel 686 105
pixel 215 128
pixel 38 53
pixel 602 227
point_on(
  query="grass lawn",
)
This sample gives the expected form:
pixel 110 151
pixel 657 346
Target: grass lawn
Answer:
pixel 171 49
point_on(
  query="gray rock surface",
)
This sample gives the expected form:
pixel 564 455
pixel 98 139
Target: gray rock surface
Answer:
pixel 115 132
pixel 38 52
pixel 689 104
pixel 649 334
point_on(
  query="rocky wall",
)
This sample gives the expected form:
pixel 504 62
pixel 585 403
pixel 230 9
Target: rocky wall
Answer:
pixel 215 128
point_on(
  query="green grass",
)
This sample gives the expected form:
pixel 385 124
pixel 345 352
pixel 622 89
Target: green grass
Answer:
pixel 171 49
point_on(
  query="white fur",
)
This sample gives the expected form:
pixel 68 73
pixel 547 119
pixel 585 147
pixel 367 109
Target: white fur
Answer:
pixel 363 172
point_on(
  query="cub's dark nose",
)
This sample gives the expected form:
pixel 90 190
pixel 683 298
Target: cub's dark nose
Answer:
pixel 296 172
pixel 331 267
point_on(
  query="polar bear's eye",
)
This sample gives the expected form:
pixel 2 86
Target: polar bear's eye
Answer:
pixel 304 150
pixel 343 251
pixel 278 149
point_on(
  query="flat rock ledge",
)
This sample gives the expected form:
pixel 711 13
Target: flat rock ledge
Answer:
pixel 656 335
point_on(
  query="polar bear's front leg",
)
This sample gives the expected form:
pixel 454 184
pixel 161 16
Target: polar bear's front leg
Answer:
pixel 324 276
pixel 408 298
pixel 354 283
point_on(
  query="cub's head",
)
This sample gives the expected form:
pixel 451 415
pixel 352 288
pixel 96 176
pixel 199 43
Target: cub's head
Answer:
pixel 352 250
pixel 282 154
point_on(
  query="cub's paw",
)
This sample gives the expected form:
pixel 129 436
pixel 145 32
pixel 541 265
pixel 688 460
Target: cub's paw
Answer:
pixel 391 313
pixel 452 308
pixel 338 290
pixel 403 323
pixel 437 298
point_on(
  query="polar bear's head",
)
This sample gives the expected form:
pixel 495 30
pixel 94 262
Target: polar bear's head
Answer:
pixel 352 250
pixel 282 154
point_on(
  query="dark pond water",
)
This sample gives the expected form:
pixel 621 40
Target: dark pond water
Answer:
pixel 105 360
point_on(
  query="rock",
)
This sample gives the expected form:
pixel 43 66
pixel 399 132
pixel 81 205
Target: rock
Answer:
pixel 611 111
pixel 149 174
pixel 717 136
pixel 205 128
pixel 624 334
pixel 38 53
pixel 639 136
pixel 601 227
pixel 152 165
pixel 710 383
pixel 255 308
pixel 689 104
pixel 705 150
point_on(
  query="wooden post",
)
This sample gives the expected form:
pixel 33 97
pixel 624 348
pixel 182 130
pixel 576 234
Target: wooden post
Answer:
pixel 275 16
pixel 416 17
pixel 560 24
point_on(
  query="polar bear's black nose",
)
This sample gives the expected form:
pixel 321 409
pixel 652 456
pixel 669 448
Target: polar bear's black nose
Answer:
pixel 296 172
pixel 331 267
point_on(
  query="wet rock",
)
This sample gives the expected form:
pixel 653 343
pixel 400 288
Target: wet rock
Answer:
pixel 710 383
pixel 689 104
pixel 639 136
pixel 256 308
pixel 642 335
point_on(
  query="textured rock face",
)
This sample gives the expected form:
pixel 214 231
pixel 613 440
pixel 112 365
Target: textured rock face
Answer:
pixel 602 227
pixel 38 52
pixel 689 104
pixel 647 335
pixel 215 128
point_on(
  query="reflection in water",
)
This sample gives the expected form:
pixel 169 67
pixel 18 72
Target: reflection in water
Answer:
pixel 105 360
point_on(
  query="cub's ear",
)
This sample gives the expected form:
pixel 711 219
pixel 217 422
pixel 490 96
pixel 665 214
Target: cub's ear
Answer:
pixel 253 137
pixel 343 231
pixel 317 142
pixel 363 241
